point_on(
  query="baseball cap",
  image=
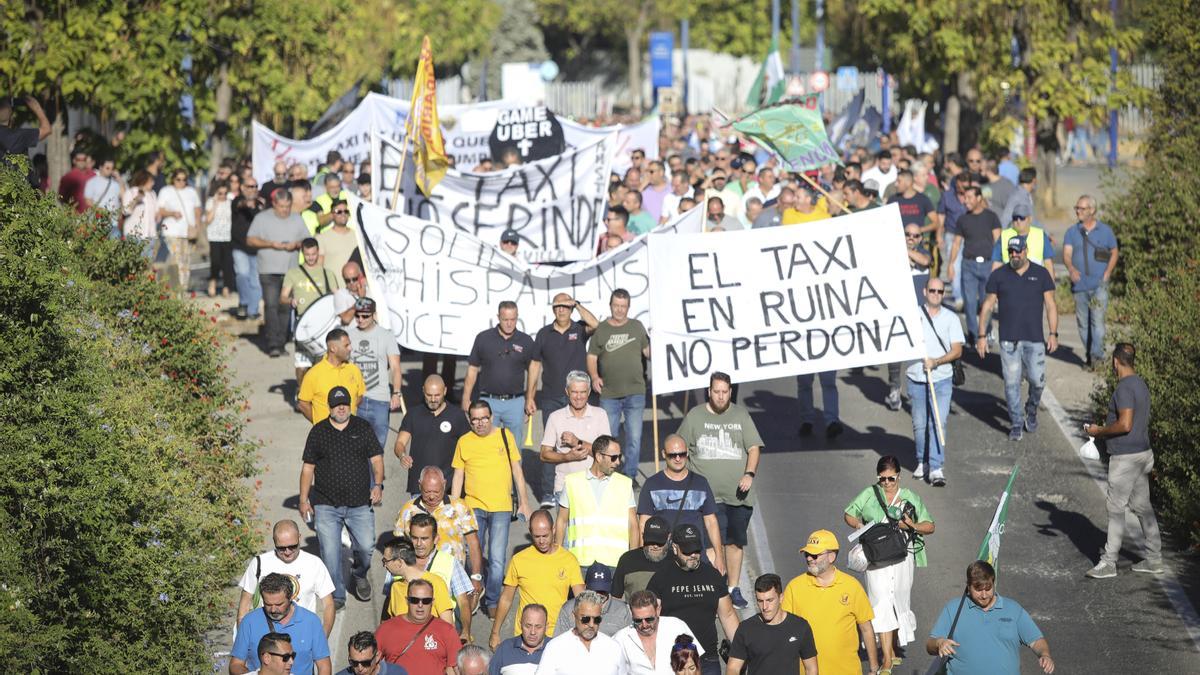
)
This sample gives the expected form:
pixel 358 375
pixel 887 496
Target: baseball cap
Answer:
pixel 343 300
pixel 821 541
pixel 510 236
pixel 1021 211
pixel 364 305
pixel 338 396
pixel 599 578
pixel 1017 243
pixel 687 538
pixel 655 531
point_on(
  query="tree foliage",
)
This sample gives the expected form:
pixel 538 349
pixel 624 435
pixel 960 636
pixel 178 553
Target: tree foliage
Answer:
pixel 123 461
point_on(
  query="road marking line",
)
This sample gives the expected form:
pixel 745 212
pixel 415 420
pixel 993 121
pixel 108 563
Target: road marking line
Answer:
pixel 1170 584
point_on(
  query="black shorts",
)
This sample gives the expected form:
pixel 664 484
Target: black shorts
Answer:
pixel 733 522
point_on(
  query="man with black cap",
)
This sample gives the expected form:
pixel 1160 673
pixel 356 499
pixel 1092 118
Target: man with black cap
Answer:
pixel 510 241
pixel 614 612
pixel 636 567
pixel 374 350
pixel 693 591
pixel 335 492
pixel 1025 290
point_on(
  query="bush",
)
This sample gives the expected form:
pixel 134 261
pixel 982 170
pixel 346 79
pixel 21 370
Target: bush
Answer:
pixel 123 459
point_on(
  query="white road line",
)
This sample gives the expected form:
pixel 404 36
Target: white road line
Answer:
pixel 1170 584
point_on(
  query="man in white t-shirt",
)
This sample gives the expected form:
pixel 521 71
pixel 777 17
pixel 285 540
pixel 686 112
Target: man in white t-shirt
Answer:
pixel 646 645
pixel 585 644
pixel 104 191
pixel 312 586
pixel 882 174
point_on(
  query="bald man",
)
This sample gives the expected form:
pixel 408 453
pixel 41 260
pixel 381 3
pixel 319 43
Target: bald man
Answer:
pixel 429 432
pixel 316 586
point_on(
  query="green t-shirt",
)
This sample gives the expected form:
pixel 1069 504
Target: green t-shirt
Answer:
pixel 866 508
pixel 717 445
pixel 641 223
pixel 304 290
pixel 619 349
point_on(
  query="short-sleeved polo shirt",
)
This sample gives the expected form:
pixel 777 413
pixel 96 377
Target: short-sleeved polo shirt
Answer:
pixel 304 627
pixel 833 612
pixel 1022 301
pixel 322 378
pixel 341 458
pixel 559 354
pixel 1084 246
pixel 501 361
pixel 988 641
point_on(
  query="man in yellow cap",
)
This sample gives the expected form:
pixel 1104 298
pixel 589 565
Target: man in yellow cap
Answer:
pixel 834 604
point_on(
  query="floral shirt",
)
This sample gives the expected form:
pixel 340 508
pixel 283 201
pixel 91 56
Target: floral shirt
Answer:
pixel 455 520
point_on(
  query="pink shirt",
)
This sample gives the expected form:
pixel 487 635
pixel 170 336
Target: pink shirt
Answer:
pixel 593 423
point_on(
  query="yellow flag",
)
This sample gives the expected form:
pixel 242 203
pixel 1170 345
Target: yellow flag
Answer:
pixel 422 126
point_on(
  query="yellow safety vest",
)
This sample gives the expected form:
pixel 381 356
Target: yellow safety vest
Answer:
pixel 1035 243
pixel 442 564
pixel 326 202
pixel 598 531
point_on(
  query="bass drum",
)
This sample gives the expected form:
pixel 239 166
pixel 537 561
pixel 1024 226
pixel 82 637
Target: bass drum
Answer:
pixel 314 325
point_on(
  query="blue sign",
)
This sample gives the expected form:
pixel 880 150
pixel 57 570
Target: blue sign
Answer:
pixel 847 78
pixel 662 45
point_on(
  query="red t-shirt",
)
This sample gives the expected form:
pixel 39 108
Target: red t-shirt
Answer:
pixel 70 187
pixel 432 652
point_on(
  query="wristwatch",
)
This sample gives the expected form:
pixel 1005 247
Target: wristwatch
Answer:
pixel 477 577
pixel 749 473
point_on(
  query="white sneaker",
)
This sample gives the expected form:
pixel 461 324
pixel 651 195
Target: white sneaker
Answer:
pixel 1102 570
pixel 920 471
pixel 937 478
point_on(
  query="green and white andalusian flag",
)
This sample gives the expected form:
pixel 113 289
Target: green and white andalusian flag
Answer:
pixel 769 85
pixel 989 550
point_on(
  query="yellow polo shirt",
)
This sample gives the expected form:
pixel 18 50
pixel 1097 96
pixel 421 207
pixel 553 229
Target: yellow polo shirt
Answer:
pixel 323 377
pixel 544 579
pixel 834 613
pixel 487 480
pixel 398 599
pixel 795 216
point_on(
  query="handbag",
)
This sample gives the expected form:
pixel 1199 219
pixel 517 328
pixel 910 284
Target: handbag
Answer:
pixel 883 543
pixel 959 377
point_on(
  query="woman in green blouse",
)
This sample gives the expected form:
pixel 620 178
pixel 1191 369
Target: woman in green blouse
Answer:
pixel 889 587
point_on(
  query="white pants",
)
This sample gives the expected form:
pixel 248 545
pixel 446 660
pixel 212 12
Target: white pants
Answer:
pixel 889 589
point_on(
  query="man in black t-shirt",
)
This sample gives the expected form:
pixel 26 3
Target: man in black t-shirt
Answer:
pixel 19 141
pixel 499 362
pixel 915 207
pixel 335 492
pixel 694 592
pixel 773 641
pixel 428 434
pixel 978 230
pixel 636 566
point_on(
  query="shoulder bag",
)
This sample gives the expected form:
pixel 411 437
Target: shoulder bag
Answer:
pixel 414 638
pixel 960 374
pixel 883 543
pixel 687 487
pixel 512 476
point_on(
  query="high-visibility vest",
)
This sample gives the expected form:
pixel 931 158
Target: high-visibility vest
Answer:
pixel 598 531
pixel 442 564
pixel 325 201
pixel 1035 243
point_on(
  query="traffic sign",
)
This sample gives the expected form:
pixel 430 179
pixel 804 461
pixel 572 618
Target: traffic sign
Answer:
pixel 847 78
pixel 818 81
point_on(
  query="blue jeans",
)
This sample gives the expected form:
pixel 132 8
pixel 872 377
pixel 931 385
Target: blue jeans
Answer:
pixel 376 412
pixel 974 283
pixel 829 398
pixel 955 286
pixel 1090 307
pixel 493 539
pixel 245 272
pixel 924 430
pixel 632 406
pixel 510 414
pixel 360 520
pixel 1017 360
pixel 550 404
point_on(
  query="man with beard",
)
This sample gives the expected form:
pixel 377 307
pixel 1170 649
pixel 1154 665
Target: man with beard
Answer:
pixel 835 606
pixel 314 586
pixel 280 615
pixel 417 640
pixel 773 641
pixel 596 520
pixel 585 644
pixel 614 611
pixel 429 433
pixel 636 567
pixel 679 495
pixel 694 592
pixel 646 645
pixel 464 590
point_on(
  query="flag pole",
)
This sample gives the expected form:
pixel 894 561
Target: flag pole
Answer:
pixel 820 189
pixel 400 173
pixel 654 414
pixel 937 419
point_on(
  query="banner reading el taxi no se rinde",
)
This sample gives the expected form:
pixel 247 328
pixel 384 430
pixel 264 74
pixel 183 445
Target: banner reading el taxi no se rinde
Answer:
pixel 466 128
pixel 556 205
pixel 768 303
pixel 437 288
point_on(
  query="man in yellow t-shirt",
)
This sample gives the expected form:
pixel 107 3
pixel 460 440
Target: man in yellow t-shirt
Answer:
pixel 400 559
pixel 335 370
pixel 809 208
pixel 836 607
pixel 542 574
pixel 487 466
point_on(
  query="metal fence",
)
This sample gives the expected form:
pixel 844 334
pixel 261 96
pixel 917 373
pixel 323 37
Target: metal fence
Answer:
pixel 577 99
pixel 1133 121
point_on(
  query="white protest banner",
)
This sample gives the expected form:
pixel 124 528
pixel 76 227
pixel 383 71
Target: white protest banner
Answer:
pixel 437 288
pixel 556 205
pixel 465 127
pixel 768 303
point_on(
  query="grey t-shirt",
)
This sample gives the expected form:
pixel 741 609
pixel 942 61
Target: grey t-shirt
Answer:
pixel 718 445
pixel 369 350
pixel 271 227
pixel 1131 392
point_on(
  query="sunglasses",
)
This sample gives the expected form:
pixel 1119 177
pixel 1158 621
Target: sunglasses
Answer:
pixel 366 663
pixel 364 316
pixel 676 455
pixel 811 556
pixel 611 457
pixel 912 235
pixel 646 619
pixel 888 479
pixel 341 212
pixel 935 291
pixel 286 656
pixel 250 185
pixel 351 280
pixel 588 620
pixel 419 601
pixel 287 549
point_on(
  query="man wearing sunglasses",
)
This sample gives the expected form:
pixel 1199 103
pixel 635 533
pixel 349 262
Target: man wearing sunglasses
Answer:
pixel 309 573
pixel 584 648
pixel 614 611
pixel 338 242
pixel 374 350
pixel 597 517
pixel 647 642
pixel 365 658
pixel 275 654
pixel 677 495
pixel 400 560
pixel 417 640
pixel 279 614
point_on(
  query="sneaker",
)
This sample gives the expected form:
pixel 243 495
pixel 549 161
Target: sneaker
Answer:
pixel 919 473
pixel 1031 422
pixel 1148 566
pixel 1015 434
pixel 893 400
pixel 549 504
pixel 362 588
pixel 1102 570
pixel 735 595
pixel 937 478
pixel 338 605
pixel 834 430
pixel 805 429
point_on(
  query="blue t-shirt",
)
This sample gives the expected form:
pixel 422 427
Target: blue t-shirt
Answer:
pixel 987 641
pixel 950 207
pixel 660 497
pixel 1021 301
pixel 1083 253
pixel 308 638
pixel 511 653
pixel 1047 250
